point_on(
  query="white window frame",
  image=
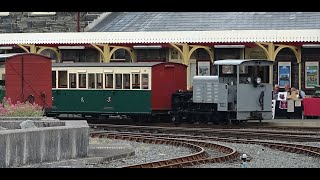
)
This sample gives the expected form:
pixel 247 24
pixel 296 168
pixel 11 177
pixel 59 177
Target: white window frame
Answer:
pixel 76 80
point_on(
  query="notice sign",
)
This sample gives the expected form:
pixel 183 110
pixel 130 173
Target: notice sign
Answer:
pixel 284 73
pixel 311 74
pixel 204 68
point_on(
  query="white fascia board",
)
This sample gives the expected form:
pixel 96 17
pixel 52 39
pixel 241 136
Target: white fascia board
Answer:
pixel 42 14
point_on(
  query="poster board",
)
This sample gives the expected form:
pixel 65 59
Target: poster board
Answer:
pixel 174 54
pixel 227 69
pixel 203 68
pixel 284 74
pixel 311 74
pixel 290 106
pixel 282 96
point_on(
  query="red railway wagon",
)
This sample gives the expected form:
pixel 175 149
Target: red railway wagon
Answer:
pixel 28 77
pixel 167 78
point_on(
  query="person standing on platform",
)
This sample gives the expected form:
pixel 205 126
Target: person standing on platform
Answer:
pixel 287 88
pixel 275 92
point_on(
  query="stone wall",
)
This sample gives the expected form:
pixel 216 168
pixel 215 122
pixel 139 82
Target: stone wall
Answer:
pixel 23 22
pixel 43 144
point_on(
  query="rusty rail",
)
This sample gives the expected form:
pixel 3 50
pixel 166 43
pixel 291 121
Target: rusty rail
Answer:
pixel 287 147
pixel 264 134
pixel 199 157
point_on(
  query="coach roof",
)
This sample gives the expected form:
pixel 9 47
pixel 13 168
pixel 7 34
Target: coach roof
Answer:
pixel 111 64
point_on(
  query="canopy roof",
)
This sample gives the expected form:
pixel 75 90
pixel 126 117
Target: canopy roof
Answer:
pixel 231 36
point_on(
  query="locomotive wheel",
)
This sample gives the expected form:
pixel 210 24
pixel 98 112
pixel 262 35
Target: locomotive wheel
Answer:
pixel 223 119
pixel 176 120
pixel 235 122
pixel 206 118
pixel 196 119
pixel 215 122
pixel 224 122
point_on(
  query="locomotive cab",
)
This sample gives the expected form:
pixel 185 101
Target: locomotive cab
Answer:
pixel 248 96
pixel 237 93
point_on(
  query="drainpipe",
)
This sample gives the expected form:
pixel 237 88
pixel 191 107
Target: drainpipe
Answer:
pixel 78 21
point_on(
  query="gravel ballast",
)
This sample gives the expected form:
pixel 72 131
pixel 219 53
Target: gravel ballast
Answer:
pixel 261 157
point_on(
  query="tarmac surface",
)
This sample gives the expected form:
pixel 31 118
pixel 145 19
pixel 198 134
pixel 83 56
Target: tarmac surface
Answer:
pixel 311 123
pixel 98 153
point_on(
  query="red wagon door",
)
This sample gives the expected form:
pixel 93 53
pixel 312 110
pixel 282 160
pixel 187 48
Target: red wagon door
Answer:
pixel 29 78
pixel 167 78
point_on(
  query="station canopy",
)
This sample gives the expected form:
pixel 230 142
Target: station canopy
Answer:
pixel 227 36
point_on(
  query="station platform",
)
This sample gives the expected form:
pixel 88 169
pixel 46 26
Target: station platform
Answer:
pixel 305 123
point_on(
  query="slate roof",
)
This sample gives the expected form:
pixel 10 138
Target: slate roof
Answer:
pixel 206 21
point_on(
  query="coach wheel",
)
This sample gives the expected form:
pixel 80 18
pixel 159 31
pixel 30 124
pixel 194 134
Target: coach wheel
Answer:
pixel 103 117
pixel 135 119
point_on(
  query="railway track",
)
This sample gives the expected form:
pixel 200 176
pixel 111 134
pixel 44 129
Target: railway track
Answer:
pixel 200 155
pixel 245 125
pixel 199 144
pixel 308 150
pixel 225 133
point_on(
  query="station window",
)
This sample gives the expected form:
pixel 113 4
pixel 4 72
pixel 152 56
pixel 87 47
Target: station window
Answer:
pixel 126 81
pixel 145 81
pixel 99 80
pixel 54 79
pixel 82 81
pixel 62 79
pixel 72 80
pixel 135 81
pixel 92 82
pixel 109 80
pixel 118 81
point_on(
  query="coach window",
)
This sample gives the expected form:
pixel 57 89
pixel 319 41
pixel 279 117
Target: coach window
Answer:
pixel 72 80
pixel 62 79
pixel 118 81
pixel 135 81
pixel 92 82
pixel 82 80
pixel 99 80
pixel 54 79
pixel 145 81
pixel 109 81
pixel 126 81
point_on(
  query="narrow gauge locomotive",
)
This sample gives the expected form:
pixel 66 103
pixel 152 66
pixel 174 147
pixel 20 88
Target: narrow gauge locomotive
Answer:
pixel 236 94
pixel 139 90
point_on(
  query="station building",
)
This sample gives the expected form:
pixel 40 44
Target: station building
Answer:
pixel 290 39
